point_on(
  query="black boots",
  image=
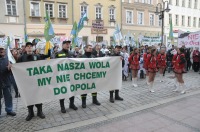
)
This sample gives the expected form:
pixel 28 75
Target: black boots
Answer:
pixel 83 101
pixel 117 97
pixel 30 113
pixel 39 111
pixel 62 106
pixel 95 101
pixel 71 105
pixel 111 97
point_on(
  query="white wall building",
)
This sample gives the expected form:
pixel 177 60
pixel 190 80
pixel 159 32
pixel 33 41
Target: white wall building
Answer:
pixel 185 16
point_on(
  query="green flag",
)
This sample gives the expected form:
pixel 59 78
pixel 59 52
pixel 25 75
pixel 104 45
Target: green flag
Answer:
pixel 74 34
pixel 48 29
pixel 171 36
pixel 8 41
pixel 81 22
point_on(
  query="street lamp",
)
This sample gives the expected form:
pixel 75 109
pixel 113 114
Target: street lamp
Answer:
pixel 161 13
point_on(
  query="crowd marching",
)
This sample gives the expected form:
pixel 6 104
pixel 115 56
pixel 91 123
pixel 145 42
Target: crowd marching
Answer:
pixel 142 62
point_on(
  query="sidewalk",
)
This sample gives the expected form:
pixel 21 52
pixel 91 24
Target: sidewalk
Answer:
pixel 179 116
pixel 135 99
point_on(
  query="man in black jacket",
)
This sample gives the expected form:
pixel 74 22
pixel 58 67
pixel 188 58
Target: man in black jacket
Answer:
pixel 117 97
pixel 65 53
pixel 88 54
pixel 26 57
pixel 5 82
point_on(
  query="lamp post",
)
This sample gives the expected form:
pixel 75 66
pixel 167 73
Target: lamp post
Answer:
pixel 161 13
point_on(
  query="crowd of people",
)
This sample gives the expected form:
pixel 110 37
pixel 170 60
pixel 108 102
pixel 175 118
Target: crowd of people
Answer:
pixel 143 62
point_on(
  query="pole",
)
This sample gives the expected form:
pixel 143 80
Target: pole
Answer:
pixel 72 11
pixel 162 27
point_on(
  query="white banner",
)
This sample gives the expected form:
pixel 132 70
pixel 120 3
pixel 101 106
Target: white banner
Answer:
pixel 146 40
pixel 46 80
pixel 188 39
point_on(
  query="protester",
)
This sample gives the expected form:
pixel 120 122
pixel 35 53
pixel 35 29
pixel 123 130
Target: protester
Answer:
pixel 196 56
pixel 134 65
pixel 187 57
pixel 5 87
pixel 117 97
pixel 152 68
pixel 161 60
pixel 54 53
pixel 16 56
pixel 88 54
pixel 26 57
pixel 179 69
pixel 97 52
pixel 65 53
pixel 126 64
pixel 76 52
pixel 169 58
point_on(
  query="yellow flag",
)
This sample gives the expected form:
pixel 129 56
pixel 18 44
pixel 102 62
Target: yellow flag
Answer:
pixel 47 47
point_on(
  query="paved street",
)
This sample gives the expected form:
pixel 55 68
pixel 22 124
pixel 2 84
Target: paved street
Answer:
pixel 163 110
pixel 178 116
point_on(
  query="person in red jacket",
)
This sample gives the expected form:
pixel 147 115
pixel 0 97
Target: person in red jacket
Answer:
pixel 161 61
pixel 152 68
pixel 145 63
pixel 179 64
pixel 134 65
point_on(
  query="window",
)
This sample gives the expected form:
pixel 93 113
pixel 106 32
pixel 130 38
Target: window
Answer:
pixel 11 7
pixel 189 21
pixel 183 3
pixel 62 11
pixel 143 1
pixel 49 9
pixel 170 17
pixel 159 22
pixel 176 20
pixel 170 2
pixel 112 13
pixel 129 17
pixel 83 10
pixel 140 18
pixel 150 2
pixel 195 4
pixel 199 22
pixel 151 18
pixel 194 22
pixel 189 3
pixel 129 1
pixel 183 21
pixel 98 13
pixel 35 9
pixel 177 2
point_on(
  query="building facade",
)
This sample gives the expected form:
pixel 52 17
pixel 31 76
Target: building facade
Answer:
pixel 139 18
pixel 185 15
pixel 12 21
pixel 60 13
pixel 107 13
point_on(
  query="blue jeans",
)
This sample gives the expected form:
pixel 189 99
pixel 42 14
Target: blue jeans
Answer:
pixel 8 98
